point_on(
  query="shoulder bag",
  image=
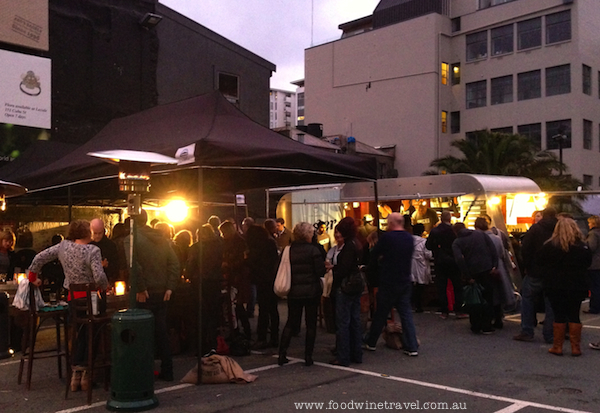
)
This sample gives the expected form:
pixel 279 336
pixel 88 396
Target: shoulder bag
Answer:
pixel 283 280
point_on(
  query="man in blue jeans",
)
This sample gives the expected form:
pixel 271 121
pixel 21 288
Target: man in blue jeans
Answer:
pixel 532 287
pixel 394 251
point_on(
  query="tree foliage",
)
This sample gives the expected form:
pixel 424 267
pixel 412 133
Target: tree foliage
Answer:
pixel 493 153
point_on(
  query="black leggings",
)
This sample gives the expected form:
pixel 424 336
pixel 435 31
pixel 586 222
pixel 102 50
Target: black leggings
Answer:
pixel 566 305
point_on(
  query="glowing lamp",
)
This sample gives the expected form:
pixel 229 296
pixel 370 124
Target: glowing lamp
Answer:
pixel 120 288
pixel 494 200
pixel 176 210
pixel 7 190
pixel 20 277
pixel 356 205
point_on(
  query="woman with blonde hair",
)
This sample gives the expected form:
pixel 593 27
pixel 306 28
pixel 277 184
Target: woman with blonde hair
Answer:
pixel 308 266
pixel 565 259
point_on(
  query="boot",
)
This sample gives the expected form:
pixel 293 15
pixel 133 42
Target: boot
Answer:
pixel 85 380
pixel 559 338
pixel 75 378
pixel 286 337
pixel 575 338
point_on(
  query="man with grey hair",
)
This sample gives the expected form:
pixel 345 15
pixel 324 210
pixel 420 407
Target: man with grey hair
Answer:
pixel 394 253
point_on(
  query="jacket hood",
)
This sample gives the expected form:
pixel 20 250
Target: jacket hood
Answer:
pixel 152 235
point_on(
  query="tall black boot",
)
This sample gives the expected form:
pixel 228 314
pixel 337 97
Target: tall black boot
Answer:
pixel 286 337
pixel 309 346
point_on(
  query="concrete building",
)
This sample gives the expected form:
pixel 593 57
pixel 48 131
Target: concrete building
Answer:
pixel 299 102
pixel 422 73
pixel 282 108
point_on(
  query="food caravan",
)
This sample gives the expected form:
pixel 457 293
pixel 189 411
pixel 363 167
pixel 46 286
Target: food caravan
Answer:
pixel 510 201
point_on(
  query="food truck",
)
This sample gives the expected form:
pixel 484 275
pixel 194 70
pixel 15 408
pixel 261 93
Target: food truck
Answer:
pixel 509 200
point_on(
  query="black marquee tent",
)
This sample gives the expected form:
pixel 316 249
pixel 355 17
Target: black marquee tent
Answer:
pixel 234 153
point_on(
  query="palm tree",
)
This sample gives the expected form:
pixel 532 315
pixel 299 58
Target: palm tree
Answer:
pixel 493 153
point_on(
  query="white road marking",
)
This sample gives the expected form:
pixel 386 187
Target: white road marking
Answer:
pixel 452 389
pixel 513 408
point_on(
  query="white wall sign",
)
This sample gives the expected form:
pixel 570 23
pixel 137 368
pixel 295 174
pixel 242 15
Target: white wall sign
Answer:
pixel 25 93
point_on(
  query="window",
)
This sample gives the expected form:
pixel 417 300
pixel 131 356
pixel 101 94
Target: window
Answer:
pixel 476 94
pixel 508 130
pixel 558 27
pixel 444 121
pixel 587 134
pixel 455 24
pixel 456 74
pixel 587 79
pixel 533 131
pixel 502 90
pixel 558 80
pixel 529 85
pixel 502 40
pixel 228 86
pixel 587 180
pixel 557 133
pixel 529 33
pixel 454 122
pixel 445 67
pixel 477 46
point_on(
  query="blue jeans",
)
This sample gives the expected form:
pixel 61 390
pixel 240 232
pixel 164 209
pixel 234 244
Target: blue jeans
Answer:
pixel 530 290
pixel 349 334
pixel 594 276
pixel 387 298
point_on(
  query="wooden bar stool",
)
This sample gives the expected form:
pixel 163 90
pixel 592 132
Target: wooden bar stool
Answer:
pixel 97 334
pixel 36 318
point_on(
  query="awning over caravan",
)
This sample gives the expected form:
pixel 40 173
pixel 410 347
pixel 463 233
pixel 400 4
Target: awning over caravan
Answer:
pixel 437 186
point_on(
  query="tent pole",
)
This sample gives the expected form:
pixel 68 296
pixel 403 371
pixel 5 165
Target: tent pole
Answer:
pixel 200 267
pixel 70 203
pixel 267 203
pixel 235 212
pixel 376 195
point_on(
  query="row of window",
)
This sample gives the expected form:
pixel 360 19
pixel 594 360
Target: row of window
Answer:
pixel 529 35
pixel 558 133
pixel 529 86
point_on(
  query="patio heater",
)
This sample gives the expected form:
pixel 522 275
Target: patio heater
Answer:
pixel 132 372
pixel 7 189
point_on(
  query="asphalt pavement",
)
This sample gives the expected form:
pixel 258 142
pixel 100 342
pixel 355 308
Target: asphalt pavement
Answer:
pixel 456 370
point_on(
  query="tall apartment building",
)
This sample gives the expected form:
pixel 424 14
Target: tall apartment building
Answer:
pixel 422 73
pixel 299 101
pixel 282 108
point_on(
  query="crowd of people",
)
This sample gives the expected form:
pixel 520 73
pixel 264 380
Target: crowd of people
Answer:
pixel 238 267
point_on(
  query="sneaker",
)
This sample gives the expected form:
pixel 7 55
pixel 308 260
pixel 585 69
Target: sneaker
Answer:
pixel 368 347
pixel 595 346
pixel 460 316
pixel 487 332
pixel 411 353
pixel 444 316
pixel 523 337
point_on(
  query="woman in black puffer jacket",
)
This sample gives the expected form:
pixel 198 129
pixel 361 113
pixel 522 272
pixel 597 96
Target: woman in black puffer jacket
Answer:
pixel 565 259
pixel 308 266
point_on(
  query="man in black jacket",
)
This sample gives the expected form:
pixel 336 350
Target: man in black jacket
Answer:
pixel 476 256
pixel 440 243
pixel 532 287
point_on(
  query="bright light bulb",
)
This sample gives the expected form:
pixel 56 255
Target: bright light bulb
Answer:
pixel 176 210
pixel 494 200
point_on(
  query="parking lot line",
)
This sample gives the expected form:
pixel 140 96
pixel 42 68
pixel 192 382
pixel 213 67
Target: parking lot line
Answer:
pixel 513 402
pixel 513 408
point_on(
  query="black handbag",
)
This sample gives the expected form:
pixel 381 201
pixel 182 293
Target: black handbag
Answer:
pixel 472 296
pixel 354 284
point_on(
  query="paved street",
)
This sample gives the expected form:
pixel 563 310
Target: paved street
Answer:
pixel 455 370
